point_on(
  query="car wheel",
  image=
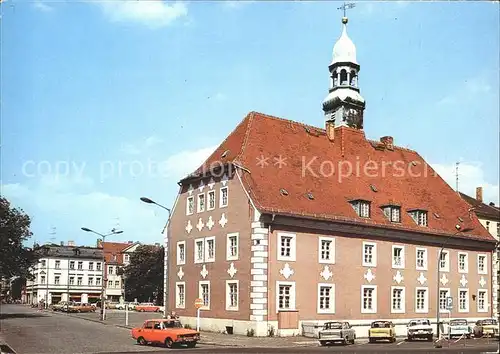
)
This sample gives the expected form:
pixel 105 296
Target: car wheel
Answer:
pixel 429 338
pixel 409 339
pixel 141 341
pixel 353 340
pixel 169 342
pixel 370 340
pixel 323 343
pixel 191 345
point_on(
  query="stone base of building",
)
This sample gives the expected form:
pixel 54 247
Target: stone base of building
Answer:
pixel 307 328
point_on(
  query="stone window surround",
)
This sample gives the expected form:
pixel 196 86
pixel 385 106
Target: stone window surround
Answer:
pixel 403 299
pixel 177 297
pixel 331 310
pixel 228 246
pixel 374 299
pixel 402 261
pixel 199 204
pixel 200 293
pixel 228 295
pixel 466 270
pixel 207 202
pixel 292 294
pixel 467 305
pixel 209 260
pixel 448 292
pixel 187 205
pixel 179 261
pixel 426 299
pixel 446 267
pixel 374 254
pixel 486 303
pixel 332 250
pixel 221 204
pixel 293 247
pixel 485 271
pixel 196 241
pixel 425 258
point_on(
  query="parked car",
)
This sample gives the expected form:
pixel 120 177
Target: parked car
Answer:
pixel 132 305
pixel 487 327
pixel 336 331
pixel 420 328
pixel 167 332
pixel 459 327
pixel 382 330
pixel 59 306
pixel 147 307
pixel 121 305
pixel 82 307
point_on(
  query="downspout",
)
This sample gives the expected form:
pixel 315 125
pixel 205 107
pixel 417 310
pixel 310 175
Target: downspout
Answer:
pixel 269 231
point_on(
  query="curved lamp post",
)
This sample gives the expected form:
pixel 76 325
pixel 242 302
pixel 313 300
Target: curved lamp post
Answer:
pixel 165 275
pixel 438 266
pixel 113 232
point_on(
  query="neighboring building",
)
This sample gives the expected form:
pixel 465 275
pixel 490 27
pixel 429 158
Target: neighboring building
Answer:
pixel 270 237
pixel 117 256
pixel 66 272
pixel 489 216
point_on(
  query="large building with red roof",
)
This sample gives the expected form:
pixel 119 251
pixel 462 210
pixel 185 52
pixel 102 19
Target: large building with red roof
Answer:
pixel 286 226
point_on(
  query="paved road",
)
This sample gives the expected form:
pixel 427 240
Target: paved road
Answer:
pixel 29 332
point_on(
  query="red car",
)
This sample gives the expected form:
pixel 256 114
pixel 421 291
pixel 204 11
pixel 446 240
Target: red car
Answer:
pixel 147 307
pixel 170 333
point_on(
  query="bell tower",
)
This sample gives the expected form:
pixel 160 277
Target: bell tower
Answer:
pixel 344 105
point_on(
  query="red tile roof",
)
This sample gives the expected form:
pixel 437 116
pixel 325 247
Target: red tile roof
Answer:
pixel 401 177
pixel 113 248
pixel 482 209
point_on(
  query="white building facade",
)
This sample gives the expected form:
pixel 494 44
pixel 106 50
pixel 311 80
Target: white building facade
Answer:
pixel 66 273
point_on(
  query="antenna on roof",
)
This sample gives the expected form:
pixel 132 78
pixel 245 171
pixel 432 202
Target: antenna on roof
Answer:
pixel 456 174
pixel 52 232
pixel 346 6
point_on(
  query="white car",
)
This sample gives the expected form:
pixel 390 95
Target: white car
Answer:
pixel 419 328
pixel 459 327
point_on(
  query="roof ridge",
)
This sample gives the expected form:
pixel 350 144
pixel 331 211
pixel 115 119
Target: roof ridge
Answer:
pixel 287 120
pixel 395 146
pixel 250 117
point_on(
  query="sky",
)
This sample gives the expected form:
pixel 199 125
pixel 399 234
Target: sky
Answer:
pixel 106 102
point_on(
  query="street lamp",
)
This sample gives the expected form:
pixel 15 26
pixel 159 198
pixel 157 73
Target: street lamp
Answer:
pixel 113 232
pixel 165 274
pixel 439 273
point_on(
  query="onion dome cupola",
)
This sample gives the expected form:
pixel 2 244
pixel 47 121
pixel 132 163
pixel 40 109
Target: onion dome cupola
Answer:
pixel 344 105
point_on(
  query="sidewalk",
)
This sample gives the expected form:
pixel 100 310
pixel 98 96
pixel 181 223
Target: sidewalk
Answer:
pixel 207 338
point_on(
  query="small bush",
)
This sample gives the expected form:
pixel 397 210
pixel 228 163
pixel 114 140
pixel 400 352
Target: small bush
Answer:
pixel 250 332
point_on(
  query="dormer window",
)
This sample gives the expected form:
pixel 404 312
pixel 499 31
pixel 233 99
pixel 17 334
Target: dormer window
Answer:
pixel 362 208
pixel 419 216
pixel 393 213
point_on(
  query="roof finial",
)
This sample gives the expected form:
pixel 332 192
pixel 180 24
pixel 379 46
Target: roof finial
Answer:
pixel 344 7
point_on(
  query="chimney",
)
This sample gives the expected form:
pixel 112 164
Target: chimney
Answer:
pixel 479 194
pixel 71 243
pixel 330 130
pixel 492 204
pixel 130 242
pixel 388 142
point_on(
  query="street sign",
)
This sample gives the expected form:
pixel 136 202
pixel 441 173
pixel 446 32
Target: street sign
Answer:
pixel 449 302
pixel 198 303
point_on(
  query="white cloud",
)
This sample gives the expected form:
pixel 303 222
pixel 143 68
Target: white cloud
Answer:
pixel 42 6
pixel 236 4
pixel 471 175
pixel 469 91
pixel 185 162
pixel 142 146
pixel 153 13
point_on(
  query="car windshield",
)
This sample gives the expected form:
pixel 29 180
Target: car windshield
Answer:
pixel 381 324
pixel 333 325
pixel 490 322
pixel 172 324
pixel 458 322
pixel 419 323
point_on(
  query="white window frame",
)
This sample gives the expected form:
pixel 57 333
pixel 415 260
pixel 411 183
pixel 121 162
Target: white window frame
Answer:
pixel 394 266
pixel 208 200
pixel 424 267
pixel 426 300
pixel 221 200
pixel 485 271
pixel 198 204
pixel 178 305
pixel 293 245
pixel 228 295
pixel 466 300
pixel 187 205
pixel 374 299
pixel 332 250
pixel 228 246
pixel 196 241
pixel 403 299
pixel 374 254
pixel 417 214
pixel 292 294
pixel 448 293
pixel 358 207
pixel 207 259
pixel 331 310
pixel 200 293
pixel 179 260
pixel 446 268
pixel 486 302
pixel 466 270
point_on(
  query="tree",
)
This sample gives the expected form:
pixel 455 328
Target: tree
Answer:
pixel 16 259
pixel 144 275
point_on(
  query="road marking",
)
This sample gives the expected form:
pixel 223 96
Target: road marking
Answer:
pixel 403 341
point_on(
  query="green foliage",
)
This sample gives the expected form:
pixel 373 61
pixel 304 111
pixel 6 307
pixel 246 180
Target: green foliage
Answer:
pixel 14 230
pixel 144 275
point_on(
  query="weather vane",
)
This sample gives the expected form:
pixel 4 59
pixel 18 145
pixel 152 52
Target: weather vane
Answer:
pixel 346 6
